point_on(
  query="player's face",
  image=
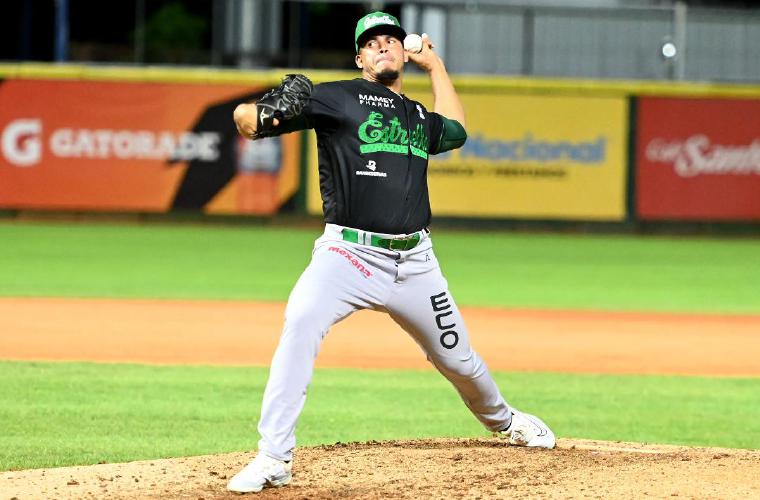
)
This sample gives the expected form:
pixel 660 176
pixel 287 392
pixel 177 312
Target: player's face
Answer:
pixel 381 56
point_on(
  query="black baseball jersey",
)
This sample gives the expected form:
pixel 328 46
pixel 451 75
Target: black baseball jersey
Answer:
pixel 373 155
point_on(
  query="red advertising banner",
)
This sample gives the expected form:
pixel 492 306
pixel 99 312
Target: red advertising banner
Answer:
pixel 147 147
pixel 698 159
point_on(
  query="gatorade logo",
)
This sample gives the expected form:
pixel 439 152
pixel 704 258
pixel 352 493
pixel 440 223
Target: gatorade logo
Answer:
pixel 22 143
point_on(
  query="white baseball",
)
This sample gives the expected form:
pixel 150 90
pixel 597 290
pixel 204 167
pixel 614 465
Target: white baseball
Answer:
pixel 413 43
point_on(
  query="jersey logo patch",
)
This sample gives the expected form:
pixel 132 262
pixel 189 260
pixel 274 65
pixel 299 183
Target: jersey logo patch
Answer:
pixel 392 137
pixel 372 166
pixel 377 101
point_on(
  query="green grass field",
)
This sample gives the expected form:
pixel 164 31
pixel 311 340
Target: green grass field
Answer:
pixel 67 413
pixel 56 414
pixel 490 269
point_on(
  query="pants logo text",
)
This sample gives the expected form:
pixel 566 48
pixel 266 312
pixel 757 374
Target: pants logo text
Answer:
pixel 449 337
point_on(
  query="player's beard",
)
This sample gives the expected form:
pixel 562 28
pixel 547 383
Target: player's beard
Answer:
pixel 387 76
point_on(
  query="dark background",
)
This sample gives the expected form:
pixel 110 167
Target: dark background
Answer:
pixel 314 34
pixel 176 32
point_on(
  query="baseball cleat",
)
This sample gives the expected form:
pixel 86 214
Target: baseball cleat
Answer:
pixel 528 430
pixel 262 471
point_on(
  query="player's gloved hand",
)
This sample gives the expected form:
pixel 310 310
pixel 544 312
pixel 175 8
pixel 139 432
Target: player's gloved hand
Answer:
pixel 282 104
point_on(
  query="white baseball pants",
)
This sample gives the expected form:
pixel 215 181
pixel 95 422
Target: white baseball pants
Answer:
pixel 344 277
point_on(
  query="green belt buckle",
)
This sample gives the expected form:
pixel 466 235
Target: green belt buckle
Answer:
pixel 389 244
pixel 406 243
pixel 399 244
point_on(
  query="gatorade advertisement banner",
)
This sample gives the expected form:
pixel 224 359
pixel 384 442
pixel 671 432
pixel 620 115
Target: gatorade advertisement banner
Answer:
pixel 528 157
pixel 698 159
pixel 142 147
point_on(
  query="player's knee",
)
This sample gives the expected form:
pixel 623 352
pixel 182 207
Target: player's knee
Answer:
pixel 457 368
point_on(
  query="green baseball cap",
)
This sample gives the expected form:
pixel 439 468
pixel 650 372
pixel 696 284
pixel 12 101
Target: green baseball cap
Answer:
pixel 377 22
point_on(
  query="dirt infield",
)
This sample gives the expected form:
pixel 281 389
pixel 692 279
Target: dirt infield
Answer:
pixel 474 468
pixel 246 333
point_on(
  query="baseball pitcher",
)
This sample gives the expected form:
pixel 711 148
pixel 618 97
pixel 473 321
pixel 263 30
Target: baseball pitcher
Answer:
pixel 376 251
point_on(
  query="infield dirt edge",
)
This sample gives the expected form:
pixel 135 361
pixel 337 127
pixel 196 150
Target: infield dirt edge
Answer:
pixel 434 468
pixel 246 333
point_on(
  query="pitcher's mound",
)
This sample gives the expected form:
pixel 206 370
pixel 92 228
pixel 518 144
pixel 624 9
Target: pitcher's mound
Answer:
pixel 437 468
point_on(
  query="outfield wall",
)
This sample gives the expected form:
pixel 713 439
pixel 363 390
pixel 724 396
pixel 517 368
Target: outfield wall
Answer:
pixel 121 144
pixel 697 159
pixel 87 138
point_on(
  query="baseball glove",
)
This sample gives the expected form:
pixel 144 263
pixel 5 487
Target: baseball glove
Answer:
pixel 283 103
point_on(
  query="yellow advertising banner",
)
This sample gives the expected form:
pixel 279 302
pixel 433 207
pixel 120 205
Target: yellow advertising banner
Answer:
pixel 530 157
pixel 541 157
